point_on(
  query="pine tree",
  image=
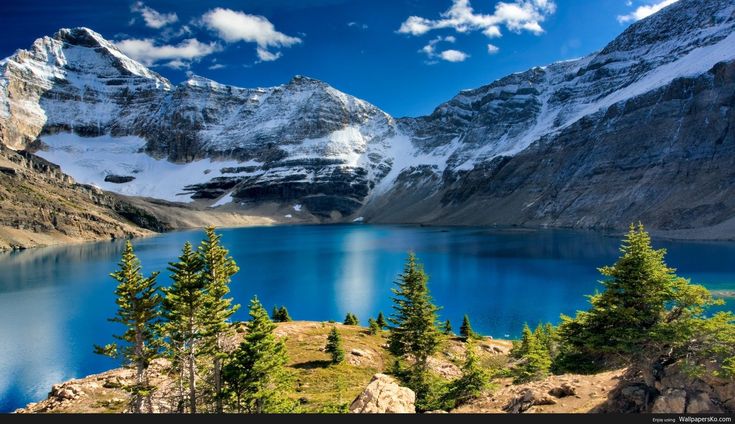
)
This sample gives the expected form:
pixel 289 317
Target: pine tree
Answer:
pixel 447 328
pixel 535 360
pixel 373 327
pixel 381 321
pixel 546 335
pixel 217 270
pixel 465 331
pixel 351 319
pixel 255 373
pixel 519 350
pixel 183 306
pixel 334 346
pixel 283 314
pixel 414 329
pixel 642 319
pixel 474 378
pixel 138 303
pixel 280 314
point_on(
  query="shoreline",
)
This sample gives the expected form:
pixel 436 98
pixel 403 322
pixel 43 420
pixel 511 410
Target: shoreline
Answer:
pixel 230 219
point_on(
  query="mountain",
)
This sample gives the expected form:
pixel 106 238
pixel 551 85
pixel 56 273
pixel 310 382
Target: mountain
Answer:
pixel 644 130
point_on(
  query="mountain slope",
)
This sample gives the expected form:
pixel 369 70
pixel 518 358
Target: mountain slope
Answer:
pixel 641 130
pixel 39 206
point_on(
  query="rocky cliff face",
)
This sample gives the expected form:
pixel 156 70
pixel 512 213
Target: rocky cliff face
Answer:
pixel 641 130
pixel 40 205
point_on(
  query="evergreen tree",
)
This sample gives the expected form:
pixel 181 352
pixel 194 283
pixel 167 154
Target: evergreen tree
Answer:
pixel 334 346
pixel 414 329
pixel 283 315
pixel 474 378
pixel 183 306
pixel 217 271
pixel 381 321
pixel 138 303
pixel 465 331
pixel 280 314
pixel 642 319
pixel 447 328
pixel 373 327
pixel 351 319
pixel 255 373
pixel 535 361
pixel 519 350
pixel 546 335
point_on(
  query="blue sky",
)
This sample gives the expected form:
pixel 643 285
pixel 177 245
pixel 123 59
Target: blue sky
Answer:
pixel 404 56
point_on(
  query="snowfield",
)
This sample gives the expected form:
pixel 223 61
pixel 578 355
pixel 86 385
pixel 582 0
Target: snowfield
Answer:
pixel 90 160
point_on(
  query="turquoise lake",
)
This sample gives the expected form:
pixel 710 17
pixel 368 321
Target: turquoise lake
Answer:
pixel 54 302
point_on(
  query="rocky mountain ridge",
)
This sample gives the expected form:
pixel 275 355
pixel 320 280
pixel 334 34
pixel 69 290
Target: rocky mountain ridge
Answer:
pixel 642 130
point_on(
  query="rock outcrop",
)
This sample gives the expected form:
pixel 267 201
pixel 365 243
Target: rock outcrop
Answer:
pixel 676 390
pixel 384 395
pixel 681 392
pixel 40 205
pixel 566 393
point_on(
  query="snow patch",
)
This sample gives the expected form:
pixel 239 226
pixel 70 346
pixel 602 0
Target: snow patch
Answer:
pixel 223 200
pixel 90 159
pixel 297 207
pixel 358 219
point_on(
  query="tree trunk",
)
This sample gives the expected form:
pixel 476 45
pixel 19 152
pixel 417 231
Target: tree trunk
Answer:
pixel 192 382
pixel 218 383
pixel 182 396
pixel 139 370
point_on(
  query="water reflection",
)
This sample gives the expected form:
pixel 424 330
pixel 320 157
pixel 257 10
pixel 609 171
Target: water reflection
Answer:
pixel 354 287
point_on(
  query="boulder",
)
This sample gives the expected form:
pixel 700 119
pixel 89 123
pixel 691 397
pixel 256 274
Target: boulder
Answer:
pixel 701 403
pixel 384 395
pixel 671 401
pixel 526 399
pixel 65 391
pixel 564 390
pixel 358 352
pixel 360 357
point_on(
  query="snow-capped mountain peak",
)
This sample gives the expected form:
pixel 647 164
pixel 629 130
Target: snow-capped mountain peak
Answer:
pixel 305 142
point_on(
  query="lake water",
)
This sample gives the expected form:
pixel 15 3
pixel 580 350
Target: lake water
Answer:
pixel 54 302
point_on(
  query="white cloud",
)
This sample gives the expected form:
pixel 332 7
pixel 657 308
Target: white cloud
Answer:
pixel 644 11
pixel 453 55
pixel 266 56
pixel 177 64
pixel 449 55
pixel 233 26
pixel 354 24
pixel 492 49
pixel 178 56
pixel 153 18
pixel 517 16
pixel 216 66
